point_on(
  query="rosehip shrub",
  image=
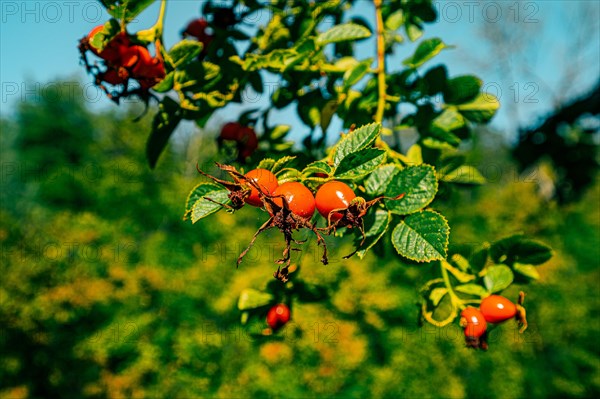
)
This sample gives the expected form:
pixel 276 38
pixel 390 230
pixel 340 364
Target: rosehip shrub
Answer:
pixel 370 184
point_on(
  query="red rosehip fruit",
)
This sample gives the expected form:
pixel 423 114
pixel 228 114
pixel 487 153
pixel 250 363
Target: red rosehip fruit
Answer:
pixel 278 316
pixel 265 180
pixel 333 195
pixel 300 200
pixel 496 309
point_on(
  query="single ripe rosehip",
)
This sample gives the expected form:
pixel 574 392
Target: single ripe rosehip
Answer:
pixel 265 180
pixel 278 316
pixel 473 322
pixel 231 131
pixel 199 29
pixel 196 28
pixel 496 309
pixel 333 195
pixel 300 200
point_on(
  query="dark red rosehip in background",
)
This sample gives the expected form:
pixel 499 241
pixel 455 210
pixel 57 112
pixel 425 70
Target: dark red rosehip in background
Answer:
pixel 278 316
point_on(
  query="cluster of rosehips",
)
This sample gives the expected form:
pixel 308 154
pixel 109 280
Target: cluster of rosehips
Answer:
pixel 291 206
pixel 123 59
pixel 244 138
pixel 331 198
pixel 493 309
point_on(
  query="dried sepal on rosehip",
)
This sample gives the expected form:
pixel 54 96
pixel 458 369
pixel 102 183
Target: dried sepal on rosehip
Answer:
pixel 521 313
pixel 244 189
pixel 352 217
pixel 290 207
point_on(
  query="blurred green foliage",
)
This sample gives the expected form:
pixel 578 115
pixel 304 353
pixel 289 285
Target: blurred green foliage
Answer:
pixel 105 292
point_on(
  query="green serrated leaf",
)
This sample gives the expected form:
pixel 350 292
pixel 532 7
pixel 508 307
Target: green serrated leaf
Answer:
pixel 251 299
pixel 437 294
pixel 376 224
pixel 317 167
pixel 498 278
pixel 266 163
pixel 527 271
pixel 359 164
pixel 164 123
pixel 481 110
pixel 355 74
pixel 357 140
pixel 377 182
pixel 209 204
pixel 343 32
pixel 472 289
pixel 422 237
pixel 426 50
pixel 419 186
pixel 185 51
pixel 462 89
pixel 288 174
pixel 198 192
pixel 464 174
pixel 282 163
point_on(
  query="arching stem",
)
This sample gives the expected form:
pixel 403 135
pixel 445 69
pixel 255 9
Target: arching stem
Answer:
pixel 456 301
pixel 380 63
pixel 161 19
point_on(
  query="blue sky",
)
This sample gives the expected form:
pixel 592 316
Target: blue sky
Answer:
pixel 38 42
